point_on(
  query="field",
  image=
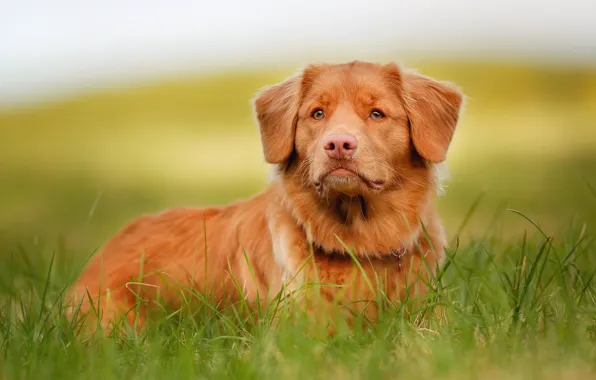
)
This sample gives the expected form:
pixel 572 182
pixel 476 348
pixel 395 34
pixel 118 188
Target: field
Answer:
pixel 516 299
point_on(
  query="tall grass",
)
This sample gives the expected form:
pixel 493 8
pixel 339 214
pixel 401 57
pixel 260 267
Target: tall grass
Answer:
pixel 521 309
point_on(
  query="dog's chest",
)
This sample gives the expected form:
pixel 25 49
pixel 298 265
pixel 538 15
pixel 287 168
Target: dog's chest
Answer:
pixel 360 279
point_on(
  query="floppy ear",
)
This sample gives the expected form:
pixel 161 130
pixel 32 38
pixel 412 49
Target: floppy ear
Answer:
pixel 276 108
pixel 433 110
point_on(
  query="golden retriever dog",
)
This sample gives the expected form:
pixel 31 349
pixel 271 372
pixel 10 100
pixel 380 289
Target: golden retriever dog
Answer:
pixel 354 148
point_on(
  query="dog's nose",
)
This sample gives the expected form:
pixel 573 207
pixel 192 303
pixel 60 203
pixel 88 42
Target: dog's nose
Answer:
pixel 340 146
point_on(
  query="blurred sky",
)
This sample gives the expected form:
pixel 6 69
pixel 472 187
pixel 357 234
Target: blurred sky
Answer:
pixel 56 47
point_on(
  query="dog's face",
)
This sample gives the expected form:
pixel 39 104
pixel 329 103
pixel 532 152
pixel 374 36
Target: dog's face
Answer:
pixel 352 128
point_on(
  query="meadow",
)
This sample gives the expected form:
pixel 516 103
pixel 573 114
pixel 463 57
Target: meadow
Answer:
pixel 516 298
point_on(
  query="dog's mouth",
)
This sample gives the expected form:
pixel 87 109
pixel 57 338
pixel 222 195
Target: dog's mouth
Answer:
pixel 346 173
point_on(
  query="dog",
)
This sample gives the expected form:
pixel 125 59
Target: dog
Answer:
pixel 354 147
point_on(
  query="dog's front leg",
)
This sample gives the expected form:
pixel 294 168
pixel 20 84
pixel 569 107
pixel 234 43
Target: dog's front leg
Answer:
pixel 293 252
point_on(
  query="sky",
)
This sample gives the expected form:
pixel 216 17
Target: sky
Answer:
pixel 51 48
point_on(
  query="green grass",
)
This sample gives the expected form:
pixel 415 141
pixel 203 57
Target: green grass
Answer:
pixel 525 309
pixel 518 302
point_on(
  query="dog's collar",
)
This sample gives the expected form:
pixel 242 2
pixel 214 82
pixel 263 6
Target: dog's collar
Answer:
pixel 393 254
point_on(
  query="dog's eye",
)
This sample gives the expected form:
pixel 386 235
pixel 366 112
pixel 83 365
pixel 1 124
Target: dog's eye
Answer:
pixel 318 114
pixel 376 115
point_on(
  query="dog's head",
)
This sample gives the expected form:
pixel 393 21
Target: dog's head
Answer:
pixel 351 128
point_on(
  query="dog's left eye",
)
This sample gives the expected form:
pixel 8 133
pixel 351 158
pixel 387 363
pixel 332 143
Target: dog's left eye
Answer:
pixel 377 115
pixel 318 114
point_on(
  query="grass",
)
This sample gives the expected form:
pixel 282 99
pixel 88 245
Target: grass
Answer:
pixel 517 293
pixel 496 310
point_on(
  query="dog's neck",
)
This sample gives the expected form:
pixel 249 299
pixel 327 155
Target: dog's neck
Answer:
pixel 346 209
pixel 371 225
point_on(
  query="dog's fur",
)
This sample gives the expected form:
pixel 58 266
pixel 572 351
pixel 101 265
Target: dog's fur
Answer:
pixel 379 205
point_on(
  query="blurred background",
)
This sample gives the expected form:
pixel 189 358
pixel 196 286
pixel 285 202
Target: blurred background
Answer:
pixel 112 109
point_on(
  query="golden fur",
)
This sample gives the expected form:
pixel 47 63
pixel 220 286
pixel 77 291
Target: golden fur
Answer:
pixel 374 202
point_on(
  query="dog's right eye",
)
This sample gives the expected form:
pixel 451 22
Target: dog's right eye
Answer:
pixel 318 114
pixel 377 115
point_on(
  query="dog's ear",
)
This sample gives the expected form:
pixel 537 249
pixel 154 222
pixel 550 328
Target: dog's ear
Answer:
pixel 433 110
pixel 276 108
